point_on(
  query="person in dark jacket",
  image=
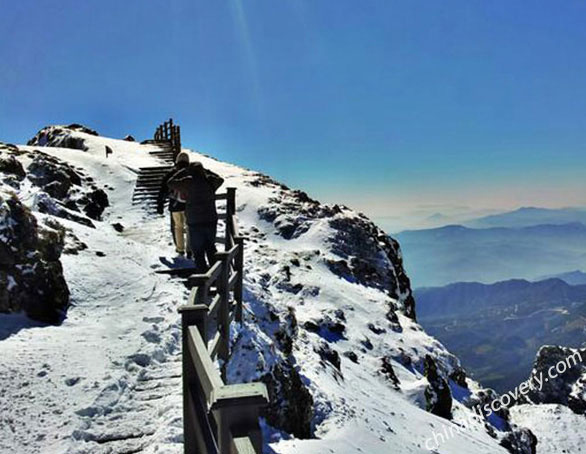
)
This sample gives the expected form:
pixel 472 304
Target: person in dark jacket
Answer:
pixel 199 186
pixel 176 206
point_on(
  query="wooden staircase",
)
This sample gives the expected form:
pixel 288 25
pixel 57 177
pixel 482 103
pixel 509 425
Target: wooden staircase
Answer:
pixel 165 152
pixel 167 138
pixel 148 184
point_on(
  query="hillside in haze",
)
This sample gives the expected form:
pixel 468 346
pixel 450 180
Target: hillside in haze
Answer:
pixel 529 216
pixel 497 329
pixel 437 257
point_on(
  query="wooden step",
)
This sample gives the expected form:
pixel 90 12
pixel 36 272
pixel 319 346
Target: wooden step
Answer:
pixel 155 169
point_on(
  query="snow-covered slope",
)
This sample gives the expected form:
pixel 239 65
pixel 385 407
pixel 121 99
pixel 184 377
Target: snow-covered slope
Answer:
pixel 329 327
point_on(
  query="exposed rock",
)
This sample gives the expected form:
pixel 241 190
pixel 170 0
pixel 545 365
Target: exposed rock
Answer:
pixel 60 136
pixel 458 376
pixel 388 371
pixel 82 128
pixel 10 165
pixel 327 327
pixel 291 405
pixel 351 356
pixel 376 329
pixel 372 258
pixel 45 204
pixel 31 274
pixel 438 396
pixel 328 354
pixel 129 138
pixel 568 387
pixel 520 441
pixel 94 203
pixel 53 176
pixel 288 331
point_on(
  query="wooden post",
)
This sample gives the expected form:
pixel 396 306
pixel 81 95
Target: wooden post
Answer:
pixel 239 266
pixel 166 131
pixel 230 211
pixel 224 312
pixel 190 315
pixel 236 411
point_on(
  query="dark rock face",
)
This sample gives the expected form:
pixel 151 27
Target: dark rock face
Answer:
pixel 59 136
pixel 291 404
pixel 388 372
pixel 129 138
pixel 438 396
pixel 10 165
pixel 521 441
pixel 458 376
pixel 31 275
pixel 45 204
pixel 288 331
pixel 95 202
pixel 81 128
pixel 569 387
pixel 53 176
pixel 328 354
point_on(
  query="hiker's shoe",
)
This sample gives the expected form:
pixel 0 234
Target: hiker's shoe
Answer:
pixel 180 253
pixel 189 255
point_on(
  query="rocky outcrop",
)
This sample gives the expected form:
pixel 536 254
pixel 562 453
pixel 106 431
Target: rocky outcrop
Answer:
pixel 520 441
pixel 568 386
pixel 55 177
pixel 31 275
pixel 438 397
pixel 363 252
pixel 60 136
pixel 291 405
pixel 65 191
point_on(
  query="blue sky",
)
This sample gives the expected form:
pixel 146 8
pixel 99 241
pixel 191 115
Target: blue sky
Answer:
pixel 392 107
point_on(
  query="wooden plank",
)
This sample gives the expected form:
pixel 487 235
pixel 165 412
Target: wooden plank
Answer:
pixel 208 278
pixel 215 305
pixel 209 378
pixel 228 255
pixel 233 280
pixel 242 394
pixel 214 345
pixel 243 445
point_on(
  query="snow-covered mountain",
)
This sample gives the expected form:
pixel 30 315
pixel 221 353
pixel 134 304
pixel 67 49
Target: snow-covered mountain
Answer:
pixel 330 322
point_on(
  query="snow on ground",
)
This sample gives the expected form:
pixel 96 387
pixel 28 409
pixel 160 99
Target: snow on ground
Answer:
pixel 108 379
pixel 557 428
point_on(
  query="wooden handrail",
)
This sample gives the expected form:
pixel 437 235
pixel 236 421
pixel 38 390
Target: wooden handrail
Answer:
pixel 218 418
pixel 169 132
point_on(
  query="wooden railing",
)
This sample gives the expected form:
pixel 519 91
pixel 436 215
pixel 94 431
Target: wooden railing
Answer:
pixel 218 418
pixel 167 131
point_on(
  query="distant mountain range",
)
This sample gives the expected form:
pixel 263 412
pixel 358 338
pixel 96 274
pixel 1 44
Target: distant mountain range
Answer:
pixel 456 253
pixel 575 277
pixel 497 329
pixel 530 216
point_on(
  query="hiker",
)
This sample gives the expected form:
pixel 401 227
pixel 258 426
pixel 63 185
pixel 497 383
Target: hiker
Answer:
pixel 199 186
pixel 176 207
